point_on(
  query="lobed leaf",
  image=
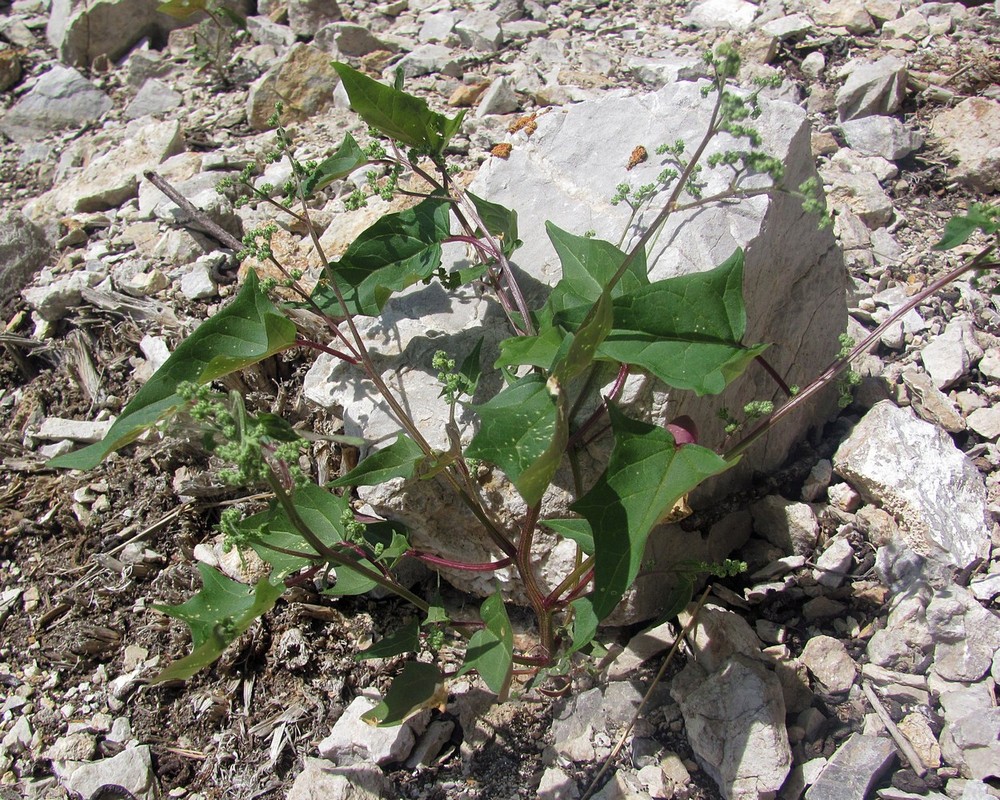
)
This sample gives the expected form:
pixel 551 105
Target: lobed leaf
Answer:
pixel 646 475
pixel 246 331
pixel 398 115
pixel 418 686
pixel 221 612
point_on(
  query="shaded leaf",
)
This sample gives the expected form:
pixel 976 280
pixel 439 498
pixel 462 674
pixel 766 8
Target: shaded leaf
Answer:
pixel 958 229
pixel 646 475
pixel 395 252
pixel 398 115
pixel 350 582
pixel 342 163
pixel 585 342
pixel 246 331
pixel 221 612
pixel 499 221
pixel 417 687
pixel 535 351
pixel 491 649
pixel 576 529
pixel 402 640
pixel 585 623
pixel 518 428
pixel 398 460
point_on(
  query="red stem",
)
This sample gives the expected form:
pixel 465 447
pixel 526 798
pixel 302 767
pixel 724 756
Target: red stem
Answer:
pixel 488 566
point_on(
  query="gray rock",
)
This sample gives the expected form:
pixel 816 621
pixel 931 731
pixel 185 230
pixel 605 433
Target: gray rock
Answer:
pixel 429 59
pixel 81 30
pixel 786 524
pixel 813 65
pixel 77 430
pixel 349 39
pixel 985 422
pixel 914 470
pixel 973 743
pixel 556 784
pixel 854 769
pixel 62 98
pixel 658 72
pixel 834 563
pixel 718 635
pixel 23 251
pixel 930 403
pixel 989 365
pixel 353 741
pixel 583 725
pixel 641 648
pixel 828 661
pixel 480 30
pixel 155 97
pixel 734 15
pixel 306 17
pixel 302 80
pixel 949 357
pixel 969 133
pixel 131 769
pixel 792 26
pixel 818 480
pixel 320 780
pixel 499 98
pixel 558 175
pixel 881 136
pixel 858 192
pixel 265 31
pixel 905 644
pixel 966 635
pixel 53 300
pixel 912 25
pixel 872 88
pixel 848 14
pixel 197 283
pixel 735 722
pixel 437 27
pixel 985 587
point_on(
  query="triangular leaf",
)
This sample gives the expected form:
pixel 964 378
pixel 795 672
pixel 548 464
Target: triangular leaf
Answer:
pixel 402 640
pixel 217 615
pixel 585 623
pixel 535 351
pixel 395 252
pixel 577 530
pixel 418 686
pixel 246 331
pixel 349 157
pixel 398 460
pixel 491 649
pixel 499 220
pixel 958 229
pixel 398 115
pixel 646 475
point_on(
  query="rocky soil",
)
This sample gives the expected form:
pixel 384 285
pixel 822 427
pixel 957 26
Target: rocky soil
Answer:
pixel 858 655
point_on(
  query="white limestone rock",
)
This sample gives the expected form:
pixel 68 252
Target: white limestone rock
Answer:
pixel 969 134
pixel 913 470
pixel 877 87
pixel 353 741
pixel 62 98
pixel 830 664
pixel 734 15
pixel 966 635
pixel 949 357
pixel 320 780
pixel 881 136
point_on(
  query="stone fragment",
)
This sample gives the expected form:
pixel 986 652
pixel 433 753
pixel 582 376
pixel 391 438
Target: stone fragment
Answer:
pixel 438 26
pixel 883 10
pixel 264 30
pixel 818 480
pixel 155 98
pixel 658 72
pixel 854 769
pixel 80 746
pixel 985 587
pixel 557 175
pixel 197 283
pixel 640 649
pixel 949 357
pixel 10 68
pixel 556 784
pixel 132 769
pixel 303 80
pixel 912 25
pixel 582 724
pixel 930 403
pixel 719 634
pixel 306 17
pixel 872 88
pixel 792 26
pixel 480 30
pixel 349 39
pixel 23 251
pixel 429 59
pixel 733 15
pixel 735 722
pixel 828 661
pixel 966 635
pixel 53 300
pixel 786 524
pixel 320 780
pixel 969 133
pixel 834 563
pixel 82 31
pixel 354 741
pixel 881 136
pixel 844 497
pixel 914 470
pixel 985 422
pixel 848 14
pixel 918 732
pixel 499 98
pixel 56 429
pixel 989 364
pixel 973 743
pixel 813 65
pixel 61 98
pixel 860 193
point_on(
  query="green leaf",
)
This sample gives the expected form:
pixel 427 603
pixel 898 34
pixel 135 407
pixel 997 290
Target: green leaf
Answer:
pixel 685 330
pixel 398 115
pixel 348 158
pixel 585 342
pixel 320 509
pixel 957 230
pixel 519 427
pixel 350 582
pixel 499 220
pixel 182 9
pixel 535 351
pixel 471 367
pixel 646 475
pixel 217 615
pixel 246 331
pixel 585 623
pixel 238 20
pixel 402 640
pixel 418 686
pixel 398 460
pixel 587 266
pixel 395 252
pixel 676 599
pixel 435 615
pixel 491 649
pixel 575 529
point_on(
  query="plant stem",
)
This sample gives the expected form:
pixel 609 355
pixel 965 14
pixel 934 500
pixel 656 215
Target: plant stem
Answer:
pixel 430 558
pixel 526 570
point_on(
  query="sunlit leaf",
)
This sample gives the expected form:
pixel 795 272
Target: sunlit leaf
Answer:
pixel 342 163
pixel 246 331
pixel 491 649
pixel 499 220
pixel 958 229
pixel 398 460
